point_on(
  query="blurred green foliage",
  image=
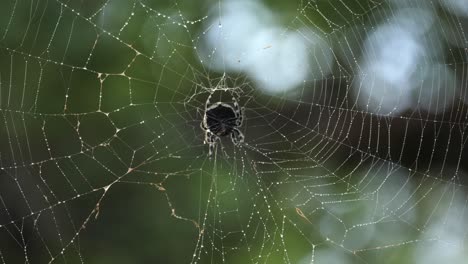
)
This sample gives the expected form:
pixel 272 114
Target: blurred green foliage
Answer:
pixel 98 94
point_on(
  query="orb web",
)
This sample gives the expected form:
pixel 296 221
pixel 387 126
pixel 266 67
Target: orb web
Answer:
pixel 355 131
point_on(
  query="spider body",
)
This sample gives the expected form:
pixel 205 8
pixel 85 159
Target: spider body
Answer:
pixel 220 120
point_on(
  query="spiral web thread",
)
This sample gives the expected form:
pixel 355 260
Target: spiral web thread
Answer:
pixel 101 98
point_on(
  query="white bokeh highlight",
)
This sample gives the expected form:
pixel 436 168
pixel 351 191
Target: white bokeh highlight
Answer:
pixel 246 38
pixel 388 70
pixel 457 7
pixel 445 229
pixel 401 67
pixel 438 89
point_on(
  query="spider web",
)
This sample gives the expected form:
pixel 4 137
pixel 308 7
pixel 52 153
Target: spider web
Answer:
pixel 353 153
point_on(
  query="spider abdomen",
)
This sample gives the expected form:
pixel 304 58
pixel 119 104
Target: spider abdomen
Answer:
pixel 221 120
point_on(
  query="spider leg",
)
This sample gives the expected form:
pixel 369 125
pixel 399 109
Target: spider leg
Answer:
pixel 202 125
pixel 240 119
pixel 208 101
pixel 239 111
pixel 237 137
pixel 210 139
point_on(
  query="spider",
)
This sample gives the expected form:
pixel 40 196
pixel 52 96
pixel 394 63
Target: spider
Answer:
pixel 221 119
